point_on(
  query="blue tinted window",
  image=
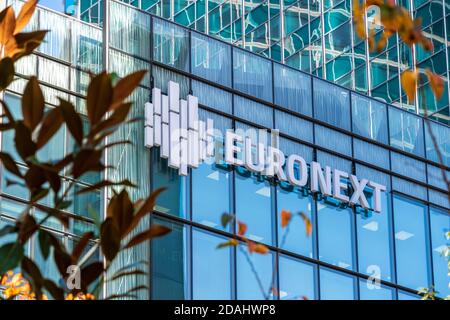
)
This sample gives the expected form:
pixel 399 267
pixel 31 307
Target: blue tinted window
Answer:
pixel 402 295
pixel 210 194
pixel 368 290
pixel 207 263
pixel 8 144
pixel 442 135
pixel 46 266
pixel 254 205
pixel 253 111
pixel 331 104
pixel 406 131
pixel 411 244
pixel 292 89
pixel 170 44
pixel 212 97
pixel 297 279
pixel 169 263
pixel 294 237
pixel 333 140
pixel 369 118
pixel 249 287
pixel 6 238
pixel 335 235
pixel 57 5
pixel 440 225
pixel 293 126
pixel 11 208
pixel 211 59
pixel 173 200
pixel 252 74
pixel 336 285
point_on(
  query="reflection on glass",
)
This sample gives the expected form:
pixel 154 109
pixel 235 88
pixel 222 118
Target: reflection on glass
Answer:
pixel 336 286
pixel 440 225
pixel 335 235
pixel 296 279
pixel 254 205
pixel 249 287
pixel 172 200
pixel 210 194
pixel 410 243
pixel 368 290
pixel 374 241
pixel 294 237
pixel 211 267
pixel 169 263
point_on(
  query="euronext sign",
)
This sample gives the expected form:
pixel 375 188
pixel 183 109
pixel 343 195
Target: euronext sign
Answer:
pixel 173 125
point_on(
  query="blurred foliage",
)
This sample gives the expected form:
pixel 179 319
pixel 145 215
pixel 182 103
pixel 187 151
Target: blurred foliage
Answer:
pixel 107 110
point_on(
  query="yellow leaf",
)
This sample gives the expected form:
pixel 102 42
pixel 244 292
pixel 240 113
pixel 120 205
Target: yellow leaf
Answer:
pixel 7 25
pixel 409 82
pixel 285 218
pixel 308 224
pixel 25 15
pixel 254 247
pixel 436 84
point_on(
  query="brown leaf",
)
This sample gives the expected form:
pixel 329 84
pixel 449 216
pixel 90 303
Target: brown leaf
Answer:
pixel 409 82
pixel 144 207
pixel 24 44
pixel 25 14
pixel 22 139
pixel 51 124
pixel 436 84
pixel 109 239
pixel 91 273
pixel 10 164
pixel 120 209
pixel 6 72
pixel 99 97
pixel 7 25
pixel 27 227
pixel 242 228
pixel 87 160
pixel 125 87
pixel 32 104
pixel 72 120
pixel 118 117
pixel 155 231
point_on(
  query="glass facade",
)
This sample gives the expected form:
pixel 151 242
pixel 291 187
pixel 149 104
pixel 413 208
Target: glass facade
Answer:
pixel 317 36
pixel 352 253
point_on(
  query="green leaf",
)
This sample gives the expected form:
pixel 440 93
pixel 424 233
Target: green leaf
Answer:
pixel 99 97
pixel 8 229
pixel 44 243
pixel 32 104
pixel 11 254
pixel 226 219
pixel 72 120
pixel 155 231
pixel 6 73
pixel 109 239
pixel 10 164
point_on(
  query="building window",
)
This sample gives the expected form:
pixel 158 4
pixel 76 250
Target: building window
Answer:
pixel 294 238
pixel 336 285
pixel 368 290
pixel 335 235
pixel 211 267
pixel 249 287
pixel 440 226
pixel 411 245
pixel 297 279
pixel 252 74
pixel 211 192
pixel 169 263
pixel 254 205
pixel 211 59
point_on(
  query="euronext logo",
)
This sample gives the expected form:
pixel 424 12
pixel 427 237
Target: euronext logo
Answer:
pixel 173 125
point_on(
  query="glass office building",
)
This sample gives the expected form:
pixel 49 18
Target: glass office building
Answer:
pixel 317 36
pixel 322 121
